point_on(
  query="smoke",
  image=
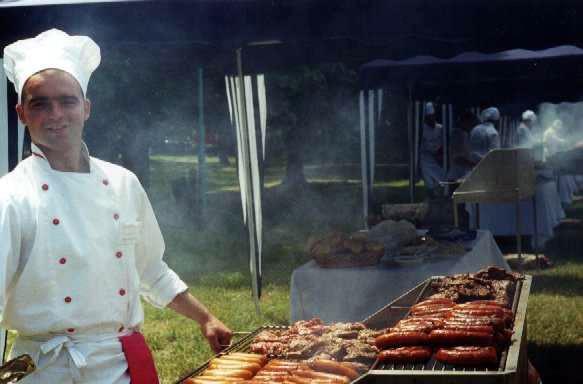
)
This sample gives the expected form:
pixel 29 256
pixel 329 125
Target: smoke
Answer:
pixel 570 116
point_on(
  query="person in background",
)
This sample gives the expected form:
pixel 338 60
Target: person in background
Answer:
pixel 484 137
pixel 460 155
pixel 80 243
pixel 524 136
pixel 553 140
pixel 431 153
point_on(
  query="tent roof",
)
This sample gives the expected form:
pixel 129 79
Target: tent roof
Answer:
pixel 554 74
pixel 280 33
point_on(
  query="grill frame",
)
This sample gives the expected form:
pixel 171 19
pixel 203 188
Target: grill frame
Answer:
pixel 513 362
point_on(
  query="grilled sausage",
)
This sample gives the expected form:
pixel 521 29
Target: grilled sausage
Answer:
pixel 329 366
pixel 233 364
pixel 224 372
pixel 470 327
pixel 311 374
pixel 405 355
pixel 399 339
pixel 455 337
pixel 469 355
pixel 434 301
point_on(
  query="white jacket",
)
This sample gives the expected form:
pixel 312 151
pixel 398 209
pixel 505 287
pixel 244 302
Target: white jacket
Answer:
pixel 78 250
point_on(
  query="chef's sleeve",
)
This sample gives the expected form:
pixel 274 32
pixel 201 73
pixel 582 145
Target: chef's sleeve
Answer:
pixel 10 240
pixel 159 284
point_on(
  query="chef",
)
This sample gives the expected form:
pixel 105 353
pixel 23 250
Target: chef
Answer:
pixel 80 243
pixel 484 137
pixel 460 147
pixel 431 151
pixel 524 137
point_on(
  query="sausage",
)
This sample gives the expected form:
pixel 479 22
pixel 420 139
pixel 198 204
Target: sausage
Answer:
pixel 434 301
pixel 469 355
pixel 404 355
pixel 484 311
pixel 470 327
pixel 210 379
pixel 232 364
pixel 254 358
pixel 399 339
pixel 310 374
pixel 330 366
pixel 427 307
pixel 225 372
pixel 435 312
pixel 484 302
pixel 455 337
pixel 457 318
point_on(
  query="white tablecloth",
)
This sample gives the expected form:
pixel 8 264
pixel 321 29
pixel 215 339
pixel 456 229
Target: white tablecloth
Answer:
pixel 500 219
pixel 351 294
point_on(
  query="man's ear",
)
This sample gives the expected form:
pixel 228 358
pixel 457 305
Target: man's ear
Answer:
pixel 87 103
pixel 20 112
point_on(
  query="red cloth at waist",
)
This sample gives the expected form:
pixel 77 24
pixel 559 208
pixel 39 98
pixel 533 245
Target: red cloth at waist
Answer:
pixel 140 361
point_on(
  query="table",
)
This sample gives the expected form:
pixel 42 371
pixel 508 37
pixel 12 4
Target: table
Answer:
pixel 352 294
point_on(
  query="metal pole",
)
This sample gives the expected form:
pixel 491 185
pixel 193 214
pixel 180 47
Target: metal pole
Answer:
pixel 202 169
pixel 411 152
pixel 535 228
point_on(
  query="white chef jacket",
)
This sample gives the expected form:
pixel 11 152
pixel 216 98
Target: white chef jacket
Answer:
pixel 432 141
pixel 483 138
pixel 524 136
pixel 78 250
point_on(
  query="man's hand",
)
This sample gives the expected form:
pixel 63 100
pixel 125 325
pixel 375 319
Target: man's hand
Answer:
pixel 216 333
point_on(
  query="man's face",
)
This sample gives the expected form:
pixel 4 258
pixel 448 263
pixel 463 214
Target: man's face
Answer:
pixel 54 110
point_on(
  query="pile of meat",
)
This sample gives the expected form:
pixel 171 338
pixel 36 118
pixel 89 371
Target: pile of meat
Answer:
pixel 492 283
pixel 467 322
pixel 340 250
pixel 348 342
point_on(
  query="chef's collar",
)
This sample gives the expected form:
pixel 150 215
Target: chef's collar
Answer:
pixel 39 154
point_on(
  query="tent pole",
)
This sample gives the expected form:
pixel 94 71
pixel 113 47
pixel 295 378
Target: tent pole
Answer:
pixel 411 152
pixel 202 167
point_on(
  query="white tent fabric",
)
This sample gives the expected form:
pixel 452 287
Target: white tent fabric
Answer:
pixel 3 122
pixel 240 98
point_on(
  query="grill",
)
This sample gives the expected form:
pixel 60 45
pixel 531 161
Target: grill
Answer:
pixel 502 176
pixel 513 361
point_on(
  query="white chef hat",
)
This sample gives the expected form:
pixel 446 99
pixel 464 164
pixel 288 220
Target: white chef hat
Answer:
pixel 76 55
pixel 429 109
pixel 490 114
pixel 528 115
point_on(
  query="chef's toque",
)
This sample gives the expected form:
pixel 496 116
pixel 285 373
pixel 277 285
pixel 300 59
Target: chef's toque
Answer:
pixel 490 114
pixel 528 115
pixel 77 55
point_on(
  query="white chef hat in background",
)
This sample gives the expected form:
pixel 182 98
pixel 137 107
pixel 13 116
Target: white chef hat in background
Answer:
pixel 490 114
pixel 429 109
pixel 528 115
pixel 77 55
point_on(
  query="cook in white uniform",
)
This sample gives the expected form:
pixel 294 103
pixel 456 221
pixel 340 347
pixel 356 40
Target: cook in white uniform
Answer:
pixel 484 137
pixel 524 137
pixel 460 147
pixel 431 151
pixel 80 243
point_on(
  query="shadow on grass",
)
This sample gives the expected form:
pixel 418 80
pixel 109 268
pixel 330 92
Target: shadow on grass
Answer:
pixel 557 363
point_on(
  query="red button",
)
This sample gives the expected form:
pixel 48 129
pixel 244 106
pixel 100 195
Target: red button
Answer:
pixel 118 254
pixel 56 221
pixel 122 292
pixel 45 187
pixel 121 329
pixel 115 216
pixel 62 260
pixel 68 299
pixel 71 330
pixel 105 182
